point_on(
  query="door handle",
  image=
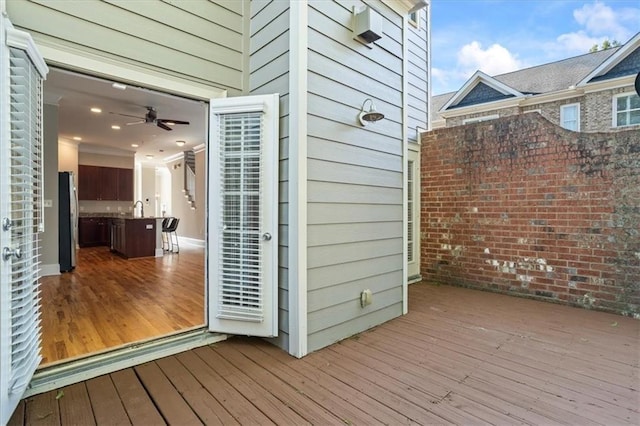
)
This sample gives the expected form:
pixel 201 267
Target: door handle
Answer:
pixel 266 236
pixel 7 253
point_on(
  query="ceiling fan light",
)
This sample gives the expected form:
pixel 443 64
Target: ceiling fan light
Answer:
pixel 180 143
pixel 169 123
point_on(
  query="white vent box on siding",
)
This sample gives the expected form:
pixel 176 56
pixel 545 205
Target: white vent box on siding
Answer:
pixel 367 24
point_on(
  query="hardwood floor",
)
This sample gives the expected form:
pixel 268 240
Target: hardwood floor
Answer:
pixel 108 301
pixel 459 356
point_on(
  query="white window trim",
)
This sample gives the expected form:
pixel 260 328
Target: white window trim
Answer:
pixel 480 119
pixel 563 108
pixel 614 110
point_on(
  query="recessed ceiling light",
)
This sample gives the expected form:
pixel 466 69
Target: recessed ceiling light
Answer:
pixel 115 127
pixel 77 138
pixel 149 156
pixel 119 86
pixel 134 145
pixel 180 143
pixel 96 110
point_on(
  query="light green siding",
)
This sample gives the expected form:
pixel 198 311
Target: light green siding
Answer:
pixel 198 40
pixel 269 73
pixel 355 220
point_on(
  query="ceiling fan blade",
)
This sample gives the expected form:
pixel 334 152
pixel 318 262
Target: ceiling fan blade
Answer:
pixel 162 125
pixel 126 115
pixel 166 121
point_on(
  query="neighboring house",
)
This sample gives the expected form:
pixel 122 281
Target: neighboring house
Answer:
pixel 589 93
pixel 332 208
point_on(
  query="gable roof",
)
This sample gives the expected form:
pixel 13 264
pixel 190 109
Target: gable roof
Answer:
pixel 545 78
pixel 481 87
pixel 624 61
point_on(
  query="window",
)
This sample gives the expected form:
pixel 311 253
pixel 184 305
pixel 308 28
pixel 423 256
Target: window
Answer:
pixel 626 110
pixel 414 19
pixel 570 117
pixel 479 119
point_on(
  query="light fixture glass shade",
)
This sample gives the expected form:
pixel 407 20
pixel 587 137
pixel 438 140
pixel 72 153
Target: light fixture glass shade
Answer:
pixel 371 115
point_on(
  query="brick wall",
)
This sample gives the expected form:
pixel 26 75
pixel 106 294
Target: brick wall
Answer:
pixel 521 206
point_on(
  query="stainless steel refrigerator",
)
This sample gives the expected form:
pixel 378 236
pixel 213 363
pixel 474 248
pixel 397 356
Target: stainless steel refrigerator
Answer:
pixel 68 220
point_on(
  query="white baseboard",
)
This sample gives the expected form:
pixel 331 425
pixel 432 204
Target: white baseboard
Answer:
pixel 191 242
pixel 50 269
pixel 159 252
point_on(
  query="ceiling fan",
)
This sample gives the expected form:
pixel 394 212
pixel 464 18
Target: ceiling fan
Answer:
pixel 152 117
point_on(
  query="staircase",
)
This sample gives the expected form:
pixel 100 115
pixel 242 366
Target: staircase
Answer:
pixel 189 188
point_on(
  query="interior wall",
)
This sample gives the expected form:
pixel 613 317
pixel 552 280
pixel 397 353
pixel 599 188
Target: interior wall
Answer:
pixel 93 159
pixel 192 222
pixel 49 238
pixel 149 190
pixel 68 157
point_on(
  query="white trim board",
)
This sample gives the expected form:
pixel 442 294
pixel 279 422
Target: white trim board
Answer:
pixel 75 371
pixel 49 269
pixel 298 42
pixel 195 242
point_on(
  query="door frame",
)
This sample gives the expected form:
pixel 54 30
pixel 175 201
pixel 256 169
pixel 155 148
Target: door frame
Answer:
pixel 63 374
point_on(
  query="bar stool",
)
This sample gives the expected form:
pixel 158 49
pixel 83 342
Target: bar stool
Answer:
pixel 170 232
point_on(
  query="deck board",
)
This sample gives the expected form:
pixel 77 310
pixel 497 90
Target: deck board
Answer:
pixel 134 397
pixel 107 406
pixel 167 398
pixel 459 357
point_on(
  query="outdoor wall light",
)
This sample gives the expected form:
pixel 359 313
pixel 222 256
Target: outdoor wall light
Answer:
pixel 370 116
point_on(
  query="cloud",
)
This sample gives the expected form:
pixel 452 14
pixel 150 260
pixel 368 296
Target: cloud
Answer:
pixel 494 60
pixel 599 22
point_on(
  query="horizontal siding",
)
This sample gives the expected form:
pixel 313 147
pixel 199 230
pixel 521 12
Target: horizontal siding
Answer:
pixel 417 77
pixel 354 173
pixel 325 235
pixel 336 254
pixel 201 41
pixel 345 312
pixel 269 73
pixel 370 317
pixel 326 213
pixel 318 170
pixel 343 293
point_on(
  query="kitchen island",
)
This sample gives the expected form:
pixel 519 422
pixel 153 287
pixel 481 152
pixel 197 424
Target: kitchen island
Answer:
pixel 136 237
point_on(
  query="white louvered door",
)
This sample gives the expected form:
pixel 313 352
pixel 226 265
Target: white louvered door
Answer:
pixel 21 186
pixel 243 216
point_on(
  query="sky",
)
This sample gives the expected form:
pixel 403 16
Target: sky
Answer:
pixel 500 36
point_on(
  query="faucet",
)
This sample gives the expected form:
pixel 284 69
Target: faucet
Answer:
pixel 141 207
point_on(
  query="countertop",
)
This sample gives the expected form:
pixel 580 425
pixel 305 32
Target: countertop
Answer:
pixel 117 216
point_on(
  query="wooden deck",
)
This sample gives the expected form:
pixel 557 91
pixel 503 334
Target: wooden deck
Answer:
pixel 460 356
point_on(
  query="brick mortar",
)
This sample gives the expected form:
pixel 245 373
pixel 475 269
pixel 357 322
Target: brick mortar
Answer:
pixel 521 206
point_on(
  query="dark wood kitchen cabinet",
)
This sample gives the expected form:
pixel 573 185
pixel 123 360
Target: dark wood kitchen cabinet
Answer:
pixel 93 231
pixel 105 183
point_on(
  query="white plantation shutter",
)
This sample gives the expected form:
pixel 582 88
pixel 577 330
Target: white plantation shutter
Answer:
pixel 243 224
pixel 21 216
pixel 241 291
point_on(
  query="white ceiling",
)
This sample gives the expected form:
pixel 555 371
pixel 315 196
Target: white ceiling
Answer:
pixel 75 94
